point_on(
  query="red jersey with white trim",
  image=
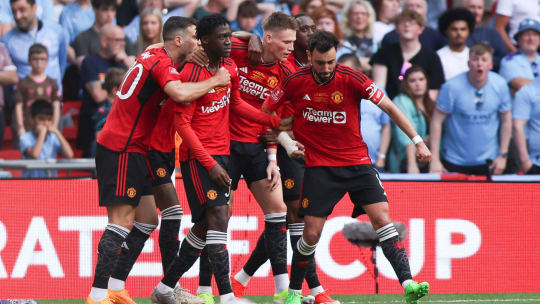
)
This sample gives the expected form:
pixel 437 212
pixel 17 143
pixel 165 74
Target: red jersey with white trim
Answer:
pixel 256 83
pixel 326 116
pixel 137 103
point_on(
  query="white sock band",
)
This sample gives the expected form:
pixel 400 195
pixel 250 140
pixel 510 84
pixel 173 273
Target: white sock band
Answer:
pixel 387 232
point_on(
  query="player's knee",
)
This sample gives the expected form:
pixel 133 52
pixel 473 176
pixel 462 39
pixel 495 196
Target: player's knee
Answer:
pixel 380 220
pixel 311 236
pixel 217 218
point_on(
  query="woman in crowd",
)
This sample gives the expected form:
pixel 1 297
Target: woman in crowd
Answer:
pixel 416 104
pixel 357 20
pixel 386 11
pixel 325 20
pixel 150 28
pixel 308 6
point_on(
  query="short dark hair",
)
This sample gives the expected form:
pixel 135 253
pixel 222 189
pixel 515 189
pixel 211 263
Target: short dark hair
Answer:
pixel 279 21
pixel 248 9
pixel 322 41
pixel 456 14
pixel 481 48
pixel 175 24
pixel 113 78
pixel 31 2
pixel 209 23
pixel 96 4
pixel 407 15
pixel 41 107
pixel 37 48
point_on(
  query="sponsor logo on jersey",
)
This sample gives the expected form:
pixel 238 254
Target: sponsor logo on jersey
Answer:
pixel 305 203
pixel 322 116
pixel 253 88
pixel 272 81
pixel 289 183
pixel 161 172
pixel 217 105
pixel 337 97
pixel 131 192
pixel 212 194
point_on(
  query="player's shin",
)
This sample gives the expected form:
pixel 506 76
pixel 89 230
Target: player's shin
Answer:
pixel 216 243
pixel 168 234
pixel 189 253
pixel 205 273
pixel 303 253
pixel 395 252
pixel 275 237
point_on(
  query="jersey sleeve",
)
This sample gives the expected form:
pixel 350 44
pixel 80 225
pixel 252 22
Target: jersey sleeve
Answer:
pixel 365 87
pixel 164 72
pixel 239 51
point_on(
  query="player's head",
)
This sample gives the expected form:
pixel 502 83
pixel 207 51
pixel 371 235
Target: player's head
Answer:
pixel 279 35
pixel 480 61
pixel 322 48
pixel 214 32
pixel 306 28
pixel 180 33
pixel 41 113
pixel 113 80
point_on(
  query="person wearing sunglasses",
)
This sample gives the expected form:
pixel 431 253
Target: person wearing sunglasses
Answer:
pixel 475 109
pixel 523 66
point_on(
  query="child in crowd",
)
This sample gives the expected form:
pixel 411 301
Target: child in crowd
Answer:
pixel 113 80
pixel 44 141
pixel 35 86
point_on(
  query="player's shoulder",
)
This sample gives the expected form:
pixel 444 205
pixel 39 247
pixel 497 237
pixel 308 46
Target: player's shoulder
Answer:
pixel 287 67
pixel 298 76
pixel 228 63
pixel 238 43
pixel 346 72
pixel 153 56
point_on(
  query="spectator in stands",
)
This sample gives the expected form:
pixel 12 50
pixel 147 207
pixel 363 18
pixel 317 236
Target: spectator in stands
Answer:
pixel 250 16
pixel 435 8
pixel 36 86
pixel 308 6
pixel 223 7
pixel 93 70
pixel 386 11
pixel 374 123
pixel 526 114
pixel 474 107
pixel 8 77
pixel 150 28
pixel 44 12
pixel 357 20
pixel 288 7
pixel 509 15
pixel 415 103
pixel 43 141
pixel 325 20
pixel 429 37
pixel 77 17
pixel 391 62
pixel 113 80
pixel 485 34
pixel 523 66
pixel 29 30
pixel 456 25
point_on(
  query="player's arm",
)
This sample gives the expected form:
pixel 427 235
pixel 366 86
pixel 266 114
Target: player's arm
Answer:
pixel 185 92
pixel 422 152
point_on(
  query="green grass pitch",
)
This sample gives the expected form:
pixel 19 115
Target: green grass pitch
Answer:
pixel 492 298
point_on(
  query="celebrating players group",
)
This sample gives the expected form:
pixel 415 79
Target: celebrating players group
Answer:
pixel 237 111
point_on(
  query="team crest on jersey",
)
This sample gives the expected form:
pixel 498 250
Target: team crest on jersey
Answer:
pixel 337 97
pixel 131 192
pixel 289 183
pixel 212 194
pixel 161 172
pixel 272 81
pixel 305 203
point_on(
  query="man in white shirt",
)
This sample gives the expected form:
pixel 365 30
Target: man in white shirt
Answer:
pixel 457 25
pixel 510 13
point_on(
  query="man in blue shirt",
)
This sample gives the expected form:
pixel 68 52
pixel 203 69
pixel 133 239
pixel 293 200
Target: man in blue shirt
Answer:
pixel 523 66
pixel 77 17
pixel 526 114
pixel 474 106
pixel 29 30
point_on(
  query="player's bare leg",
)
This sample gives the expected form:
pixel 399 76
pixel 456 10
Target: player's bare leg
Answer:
pixel 146 220
pixel 120 222
pixel 394 251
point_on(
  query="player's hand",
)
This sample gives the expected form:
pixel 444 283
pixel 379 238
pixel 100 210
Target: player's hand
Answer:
pixel 286 123
pixel 269 138
pixel 498 166
pixel 220 176
pixel 223 77
pixel 300 153
pixel 272 175
pixel 422 152
pixel 435 166
pixel 198 57
pixel 255 49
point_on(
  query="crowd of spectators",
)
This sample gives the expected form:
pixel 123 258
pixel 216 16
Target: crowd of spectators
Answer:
pixel 465 72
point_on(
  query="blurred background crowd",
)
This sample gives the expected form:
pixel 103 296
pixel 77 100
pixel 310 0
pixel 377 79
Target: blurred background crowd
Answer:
pixel 465 72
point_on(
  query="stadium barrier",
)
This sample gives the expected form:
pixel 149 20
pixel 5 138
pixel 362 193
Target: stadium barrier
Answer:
pixel 462 237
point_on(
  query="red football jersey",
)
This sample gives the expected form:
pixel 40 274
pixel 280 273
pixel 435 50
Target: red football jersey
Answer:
pixel 162 138
pixel 256 83
pixel 326 116
pixel 293 63
pixel 137 103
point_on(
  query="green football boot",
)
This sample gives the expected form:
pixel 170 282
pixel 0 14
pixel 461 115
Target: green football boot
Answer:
pixel 293 298
pixel 415 291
